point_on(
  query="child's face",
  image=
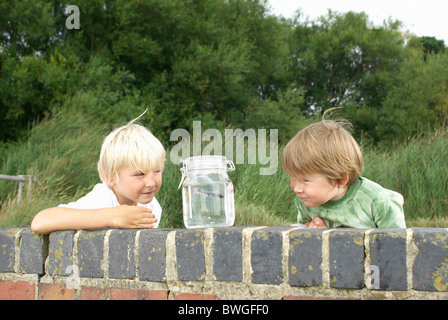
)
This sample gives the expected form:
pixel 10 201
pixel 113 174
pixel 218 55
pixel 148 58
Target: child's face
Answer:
pixel 135 186
pixel 316 190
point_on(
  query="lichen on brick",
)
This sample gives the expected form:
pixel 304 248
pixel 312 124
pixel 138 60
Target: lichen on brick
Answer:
pixel 440 276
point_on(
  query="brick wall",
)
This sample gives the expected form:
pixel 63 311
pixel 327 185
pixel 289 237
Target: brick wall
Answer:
pixel 269 263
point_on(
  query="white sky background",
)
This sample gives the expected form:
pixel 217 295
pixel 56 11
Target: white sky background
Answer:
pixel 422 18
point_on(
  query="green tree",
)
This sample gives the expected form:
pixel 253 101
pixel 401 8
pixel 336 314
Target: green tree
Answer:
pixel 205 60
pixel 418 101
pixel 341 62
pixel 27 27
pixel 429 45
pixel 433 45
pixel 26 33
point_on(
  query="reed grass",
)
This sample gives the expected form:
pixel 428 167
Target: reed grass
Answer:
pixel 62 152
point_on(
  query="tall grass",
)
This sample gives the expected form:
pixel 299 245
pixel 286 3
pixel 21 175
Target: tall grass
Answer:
pixel 419 171
pixel 61 155
pixel 62 152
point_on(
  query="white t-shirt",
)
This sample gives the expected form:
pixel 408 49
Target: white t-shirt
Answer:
pixel 102 196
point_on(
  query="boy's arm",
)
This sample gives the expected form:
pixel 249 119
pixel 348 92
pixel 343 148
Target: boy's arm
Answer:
pixel 59 218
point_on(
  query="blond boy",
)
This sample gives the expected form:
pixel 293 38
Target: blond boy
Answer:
pixel 325 164
pixel 130 167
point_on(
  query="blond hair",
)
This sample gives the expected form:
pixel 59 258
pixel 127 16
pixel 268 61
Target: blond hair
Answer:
pixel 325 148
pixel 130 146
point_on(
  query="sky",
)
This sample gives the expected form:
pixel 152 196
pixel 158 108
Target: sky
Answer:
pixel 422 18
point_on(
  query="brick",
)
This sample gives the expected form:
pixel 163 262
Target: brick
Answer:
pixel 346 258
pixel 90 253
pixel 430 270
pixel 315 298
pixel 152 255
pixel 305 257
pixel 51 291
pixel 92 293
pixel 121 254
pixel 190 254
pixel 33 251
pixel 266 255
pixel 388 254
pixel 133 294
pixel 195 296
pixel 228 254
pixel 7 248
pixel 60 253
pixel 20 290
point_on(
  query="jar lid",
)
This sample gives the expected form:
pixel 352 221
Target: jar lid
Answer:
pixel 205 163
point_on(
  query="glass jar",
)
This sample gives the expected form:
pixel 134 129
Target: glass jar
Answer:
pixel 207 192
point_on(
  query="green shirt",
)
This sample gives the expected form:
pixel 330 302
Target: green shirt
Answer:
pixel 366 205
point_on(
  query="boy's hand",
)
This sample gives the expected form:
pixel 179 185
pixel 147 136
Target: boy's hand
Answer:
pixel 318 223
pixel 133 217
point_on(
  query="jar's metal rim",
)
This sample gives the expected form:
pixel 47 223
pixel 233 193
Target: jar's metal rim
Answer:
pixel 205 163
pixel 204 158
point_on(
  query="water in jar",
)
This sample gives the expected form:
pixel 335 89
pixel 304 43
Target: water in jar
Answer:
pixel 208 205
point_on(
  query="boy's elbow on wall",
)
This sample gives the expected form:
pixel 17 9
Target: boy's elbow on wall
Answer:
pixel 37 226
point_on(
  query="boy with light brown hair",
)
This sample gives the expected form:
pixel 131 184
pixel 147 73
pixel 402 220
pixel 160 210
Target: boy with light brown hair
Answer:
pixel 325 164
pixel 130 167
